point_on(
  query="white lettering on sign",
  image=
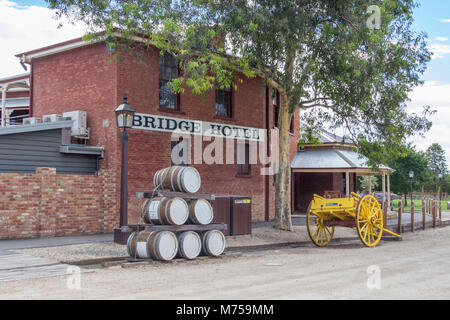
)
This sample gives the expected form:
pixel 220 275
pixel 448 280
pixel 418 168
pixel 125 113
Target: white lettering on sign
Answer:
pixel 153 210
pixel 197 127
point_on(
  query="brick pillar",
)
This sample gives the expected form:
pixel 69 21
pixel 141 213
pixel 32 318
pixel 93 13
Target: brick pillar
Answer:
pixel 48 205
pixel 110 212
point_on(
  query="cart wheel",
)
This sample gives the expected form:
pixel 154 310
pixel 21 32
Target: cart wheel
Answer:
pixel 320 235
pixel 369 220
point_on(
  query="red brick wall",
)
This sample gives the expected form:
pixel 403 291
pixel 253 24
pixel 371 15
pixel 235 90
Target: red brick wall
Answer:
pixel 83 79
pixel 150 150
pixel 46 204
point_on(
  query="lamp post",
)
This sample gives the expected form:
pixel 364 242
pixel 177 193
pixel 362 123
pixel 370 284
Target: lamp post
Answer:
pixel 124 115
pixel 440 175
pixel 411 176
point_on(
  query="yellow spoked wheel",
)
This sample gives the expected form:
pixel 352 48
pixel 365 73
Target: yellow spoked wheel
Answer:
pixel 320 235
pixel 369 221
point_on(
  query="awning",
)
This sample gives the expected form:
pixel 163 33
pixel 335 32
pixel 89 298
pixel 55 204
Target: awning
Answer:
pixel 334 160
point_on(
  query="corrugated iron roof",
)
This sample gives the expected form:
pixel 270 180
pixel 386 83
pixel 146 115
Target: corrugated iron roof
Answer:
pixel 331 158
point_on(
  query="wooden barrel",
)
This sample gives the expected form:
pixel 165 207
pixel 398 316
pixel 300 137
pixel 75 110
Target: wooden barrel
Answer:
pixel 200 212
pixel 213 243
pixel 161 245
pixel 159 176
pixel 178 178
pixel 189 244
pixel 162 210
pixel 144 208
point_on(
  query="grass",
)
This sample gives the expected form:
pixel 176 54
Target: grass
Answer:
pixel 417 205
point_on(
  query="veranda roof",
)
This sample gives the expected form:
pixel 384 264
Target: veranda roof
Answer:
pixel 334 160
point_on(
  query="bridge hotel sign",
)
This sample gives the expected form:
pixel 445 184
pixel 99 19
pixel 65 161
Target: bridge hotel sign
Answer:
pixel 197 127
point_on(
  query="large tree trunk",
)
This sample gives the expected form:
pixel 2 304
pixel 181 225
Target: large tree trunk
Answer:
pixel 283 182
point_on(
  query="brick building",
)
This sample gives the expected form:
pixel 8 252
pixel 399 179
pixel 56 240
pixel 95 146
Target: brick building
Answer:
pixel 76 75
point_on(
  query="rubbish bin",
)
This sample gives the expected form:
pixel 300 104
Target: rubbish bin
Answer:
pixel 241 215
pixel 222 214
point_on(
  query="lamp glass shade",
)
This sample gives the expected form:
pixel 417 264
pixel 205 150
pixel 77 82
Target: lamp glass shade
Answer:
pixel 124 115
pixel 411 174
pixel 440 175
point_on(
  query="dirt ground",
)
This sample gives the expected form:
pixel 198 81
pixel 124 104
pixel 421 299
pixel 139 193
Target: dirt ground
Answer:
pixel 259 236
pixel 418 267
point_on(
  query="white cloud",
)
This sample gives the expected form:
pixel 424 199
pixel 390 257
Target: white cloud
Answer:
pixel 24 28
pixel 441 39
pixel 440 50
pixel 437 96
pixel 445 20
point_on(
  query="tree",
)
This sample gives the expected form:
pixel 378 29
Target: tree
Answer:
pixel 437 162
pixel 351 63
pixel 365 184
pixel 403 163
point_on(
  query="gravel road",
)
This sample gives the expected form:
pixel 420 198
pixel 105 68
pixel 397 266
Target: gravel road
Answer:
pixel 418 267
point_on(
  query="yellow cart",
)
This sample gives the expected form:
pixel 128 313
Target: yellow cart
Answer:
pixel 363 214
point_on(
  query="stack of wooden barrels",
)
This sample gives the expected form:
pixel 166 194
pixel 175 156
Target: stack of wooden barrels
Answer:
pixel 176 211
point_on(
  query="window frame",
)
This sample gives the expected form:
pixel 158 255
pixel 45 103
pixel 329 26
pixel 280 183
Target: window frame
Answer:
pixel 162 79
pixel 244 170
pixel 276 107
pixel 229 91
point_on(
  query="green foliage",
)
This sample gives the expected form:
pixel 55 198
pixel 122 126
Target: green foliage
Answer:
pixel 410 159
pixel 362 184
pixel 437 162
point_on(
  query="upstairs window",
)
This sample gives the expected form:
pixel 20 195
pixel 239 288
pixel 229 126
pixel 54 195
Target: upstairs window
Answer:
pixel 223 102
pixel 168 70
pixel 276 107
pixel 243 155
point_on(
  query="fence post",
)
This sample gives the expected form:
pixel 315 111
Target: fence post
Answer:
pixel 424 210
pixel 399 220
pixel 412 216
pixel 434 211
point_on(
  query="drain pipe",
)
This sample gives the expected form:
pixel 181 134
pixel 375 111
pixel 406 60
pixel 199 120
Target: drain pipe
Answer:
pixel 4 89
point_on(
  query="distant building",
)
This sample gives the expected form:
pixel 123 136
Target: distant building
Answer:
pixel 14 98
pixel 329 169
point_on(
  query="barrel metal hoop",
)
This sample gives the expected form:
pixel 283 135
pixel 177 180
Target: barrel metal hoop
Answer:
pixel 171 178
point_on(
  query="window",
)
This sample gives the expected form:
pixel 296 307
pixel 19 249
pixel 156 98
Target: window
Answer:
pixel 223 102
pixel 168 70
pixel 276 107
pixel 243 155
pixel 179 152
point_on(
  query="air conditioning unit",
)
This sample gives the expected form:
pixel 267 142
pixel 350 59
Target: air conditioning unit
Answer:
pixel 52 118
pixel 33 120
pixel 79 126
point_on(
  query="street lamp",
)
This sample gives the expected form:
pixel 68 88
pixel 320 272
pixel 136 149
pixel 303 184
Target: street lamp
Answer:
pixel 124 115
pixel 411 176
pixel 440 186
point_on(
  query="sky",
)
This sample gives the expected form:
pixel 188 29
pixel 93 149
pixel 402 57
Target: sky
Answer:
pixel 28 24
